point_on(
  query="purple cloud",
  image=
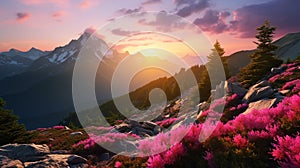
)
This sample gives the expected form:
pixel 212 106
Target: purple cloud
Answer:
pixel 282 13
pixel 130 11
pixel 22 16
pixel 213 21
pixel 120 32
pixel 187 7
pixel 165 22
pixel 151 2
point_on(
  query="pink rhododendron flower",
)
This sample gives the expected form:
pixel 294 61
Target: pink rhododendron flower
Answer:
pixel 242 106
pixel 291 64
pixel 166 122
pixel 240 141
pixel 291 69
pixel 118 164
pixel 59 127
pixel 232 108
pixel 274 78
pixel 155 162
pixel 290 84
pixel 287 151
pixel 174 153
pixel 254 135
pixel 232 97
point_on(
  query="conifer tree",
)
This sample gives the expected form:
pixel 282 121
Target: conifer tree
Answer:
pixel 215 60
pixel 10 130
pixel 263 59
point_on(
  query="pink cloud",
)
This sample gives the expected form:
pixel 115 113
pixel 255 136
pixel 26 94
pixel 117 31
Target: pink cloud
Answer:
pixel 59 3
pixel 90 30
pixel 93 30
pixel 85 4
pixel 58 15
pixel 23 16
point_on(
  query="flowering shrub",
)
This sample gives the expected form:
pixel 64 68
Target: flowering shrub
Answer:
pixel 87 143
pixel 274 78
pixel 240 141
pixel 294 85
pixel 245 140
pixel 291 73
pixel 287 151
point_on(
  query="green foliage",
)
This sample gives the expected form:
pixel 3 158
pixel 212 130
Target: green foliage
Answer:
pixel 209 80
pixel 10 130
pixel 263 58
pixel 218 48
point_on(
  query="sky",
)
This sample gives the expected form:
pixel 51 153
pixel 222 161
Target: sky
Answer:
pixel 46 24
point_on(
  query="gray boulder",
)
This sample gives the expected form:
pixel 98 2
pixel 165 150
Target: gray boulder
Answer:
pixel 123 127
pixel 149 125
pixel 37 156
pixel 54 160
pixel 261 104
pixel 258 91
pixel 75 159
pixel 234 88
pixel 278 70
pixel 24 152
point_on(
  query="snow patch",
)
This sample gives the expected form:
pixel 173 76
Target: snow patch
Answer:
pixel 52 59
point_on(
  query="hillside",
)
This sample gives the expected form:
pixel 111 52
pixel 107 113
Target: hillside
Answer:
pixel 257 128
pixel 289 48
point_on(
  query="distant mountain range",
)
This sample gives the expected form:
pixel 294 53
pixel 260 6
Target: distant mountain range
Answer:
pixel 40 92
pixel 37 85
pixel 14 62
pixel 288 48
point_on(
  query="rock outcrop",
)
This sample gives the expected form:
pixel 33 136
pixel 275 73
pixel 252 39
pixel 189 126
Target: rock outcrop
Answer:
pixel 36 156
pixel 143 129
pixel 258 91
pixel 261 104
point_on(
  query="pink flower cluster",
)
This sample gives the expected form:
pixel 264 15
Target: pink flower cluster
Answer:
pixel 103 138
pixel 166 122
pixel 168 157
pixel 231 98
pixel 239 107
pixel 87 143
pixel 59 127
pixel 243 130
pixel 240 141
pixel 286 74
pixel 118 164
pixel 287 151
pixel 294 85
